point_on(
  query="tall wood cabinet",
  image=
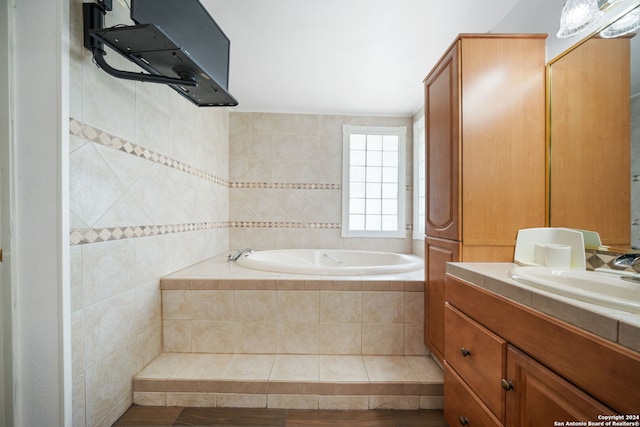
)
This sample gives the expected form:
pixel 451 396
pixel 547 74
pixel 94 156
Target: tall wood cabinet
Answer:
pixel 590 140
pixel 485 144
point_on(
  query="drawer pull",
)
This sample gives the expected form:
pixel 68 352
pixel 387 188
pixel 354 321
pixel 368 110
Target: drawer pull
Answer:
pixel 465 352
pixel 463 420
pixel 506 385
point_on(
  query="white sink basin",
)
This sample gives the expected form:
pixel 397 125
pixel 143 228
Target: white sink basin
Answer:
pixel 603 289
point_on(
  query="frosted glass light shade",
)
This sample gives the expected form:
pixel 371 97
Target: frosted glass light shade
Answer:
pixel 627 24
pixel 577 15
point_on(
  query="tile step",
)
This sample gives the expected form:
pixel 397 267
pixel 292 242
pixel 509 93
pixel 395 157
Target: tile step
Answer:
pixel 290 381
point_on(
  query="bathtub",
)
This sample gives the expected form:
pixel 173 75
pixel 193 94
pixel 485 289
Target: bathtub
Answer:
pixel 334 262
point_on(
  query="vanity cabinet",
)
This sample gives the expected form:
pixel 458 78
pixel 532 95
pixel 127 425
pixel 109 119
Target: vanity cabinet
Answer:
pixel 485 156
pixel 512 365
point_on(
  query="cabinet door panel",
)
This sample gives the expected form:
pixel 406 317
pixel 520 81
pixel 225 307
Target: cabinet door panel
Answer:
pixel 462 406
pixel 442 148
pixel 437 253
pixel 540 397
pixel 478 356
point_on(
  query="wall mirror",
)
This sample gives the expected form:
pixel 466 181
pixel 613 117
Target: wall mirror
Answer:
pixel 594 139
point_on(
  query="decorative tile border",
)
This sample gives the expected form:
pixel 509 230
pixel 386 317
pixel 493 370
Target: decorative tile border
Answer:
pixel 82 236
pixel 98 136
pixel 285 186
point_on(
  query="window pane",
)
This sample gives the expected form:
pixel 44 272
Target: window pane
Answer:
pixel 358 158
pixel 374 142
pixel 389 222
pixel 356 222
pixel 374 158
pixel 357 190
pixel 357 174
pixel 390 143
pixel 357 206
pixel 389 174
pixel 389 206
pixel 390 158
pixel 373 222
pixel 389 191
pixel 358 142
pixel 375 170
pixel 374 174
pixel 374 191
pixel 374 207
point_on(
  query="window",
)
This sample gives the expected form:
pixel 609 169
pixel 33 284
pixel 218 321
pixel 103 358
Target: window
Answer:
pixel 419 180
pixel 373 190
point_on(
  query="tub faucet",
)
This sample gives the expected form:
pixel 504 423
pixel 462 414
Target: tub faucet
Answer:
pixel 237 254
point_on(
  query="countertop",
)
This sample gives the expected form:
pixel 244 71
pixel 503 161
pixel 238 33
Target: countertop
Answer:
pixel 614 325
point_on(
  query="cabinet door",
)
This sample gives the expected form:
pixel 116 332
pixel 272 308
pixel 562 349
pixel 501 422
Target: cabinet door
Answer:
pixel 539 396
pixel 437 253
pixel 462 407
pixel 478 356
pixel 442 148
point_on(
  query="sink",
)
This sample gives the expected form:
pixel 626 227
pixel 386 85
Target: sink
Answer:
pixel 605 289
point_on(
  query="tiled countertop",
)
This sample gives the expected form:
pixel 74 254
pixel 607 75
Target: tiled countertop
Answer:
pixel 611 324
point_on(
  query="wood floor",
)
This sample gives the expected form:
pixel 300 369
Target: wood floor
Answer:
pixel 209 417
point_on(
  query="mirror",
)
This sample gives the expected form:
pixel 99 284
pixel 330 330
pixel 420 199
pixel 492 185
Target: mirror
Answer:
pixel 594 137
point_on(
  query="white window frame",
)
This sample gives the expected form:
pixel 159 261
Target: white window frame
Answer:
pixel 401 132
pixel 419 179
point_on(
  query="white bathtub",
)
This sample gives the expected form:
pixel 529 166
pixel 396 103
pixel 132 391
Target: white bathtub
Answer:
pixel 332 262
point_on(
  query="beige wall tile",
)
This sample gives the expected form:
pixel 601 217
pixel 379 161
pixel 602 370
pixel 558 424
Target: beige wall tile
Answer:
pixel 395 402
pixel 211 305
pixel 298 306
pixel 255 337
pixel 340 338
pixel 292 401
pixel 341 306
pixel 107 326
pixel 149 344
pixel 228 400
pixel 342 369
pixel 254 306
pixel 108 382
pixel 298 337
pixel 209 336
pixel 192 400
pixel 343 402
pixel 295 368
pixel 249 367
pixel 382 338
pixel 383 307
pixel 176 336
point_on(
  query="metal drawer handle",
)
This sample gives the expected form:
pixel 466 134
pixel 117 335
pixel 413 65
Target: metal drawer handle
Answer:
pixel 506 385
pixel 463 420
pixel 465 352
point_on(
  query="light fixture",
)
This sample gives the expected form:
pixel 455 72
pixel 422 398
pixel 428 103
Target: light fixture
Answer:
pixel 627 24
pixel 578 15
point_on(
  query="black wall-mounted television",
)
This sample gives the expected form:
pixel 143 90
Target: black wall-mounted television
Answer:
pixel 175 39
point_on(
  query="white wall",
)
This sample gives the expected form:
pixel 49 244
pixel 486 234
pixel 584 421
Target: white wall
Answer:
pixel 41 323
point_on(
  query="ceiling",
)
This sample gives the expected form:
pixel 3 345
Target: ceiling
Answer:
pixel 361 57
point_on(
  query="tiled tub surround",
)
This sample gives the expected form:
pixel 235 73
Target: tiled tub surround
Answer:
pixel 270 148
pixel 239 337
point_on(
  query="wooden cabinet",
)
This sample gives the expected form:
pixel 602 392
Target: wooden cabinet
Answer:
pixel 485 149
pixel 590 139
pixel 512 365
pixel 437 253
pixel 542 397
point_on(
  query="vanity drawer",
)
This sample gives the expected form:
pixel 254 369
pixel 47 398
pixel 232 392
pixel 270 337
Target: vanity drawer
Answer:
pixel 461 406
pixel 478 356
